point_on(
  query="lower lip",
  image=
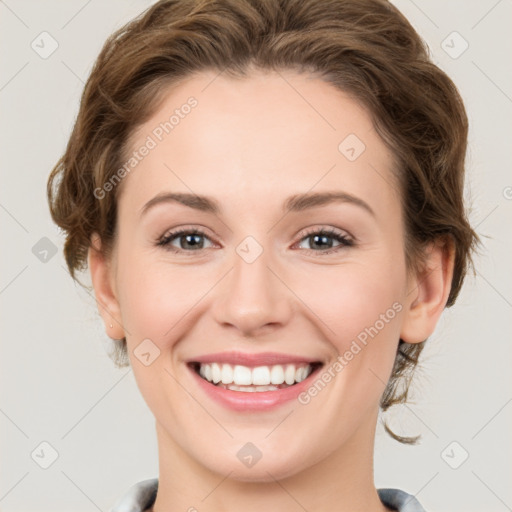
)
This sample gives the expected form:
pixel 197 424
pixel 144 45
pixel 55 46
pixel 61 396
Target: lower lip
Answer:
pixel 253 401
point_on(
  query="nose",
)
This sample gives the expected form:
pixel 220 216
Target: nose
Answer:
pixel 253 298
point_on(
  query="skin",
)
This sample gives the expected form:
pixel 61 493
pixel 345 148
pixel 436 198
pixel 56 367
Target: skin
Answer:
pixel 251 144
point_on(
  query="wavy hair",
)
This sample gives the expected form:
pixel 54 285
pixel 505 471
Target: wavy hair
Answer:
pixel 365 48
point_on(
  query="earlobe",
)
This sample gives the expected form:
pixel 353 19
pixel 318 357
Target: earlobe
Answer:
pixel 428 292
pixel 102 282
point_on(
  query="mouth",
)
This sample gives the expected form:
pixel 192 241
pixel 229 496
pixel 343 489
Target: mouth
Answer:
pixel 254 379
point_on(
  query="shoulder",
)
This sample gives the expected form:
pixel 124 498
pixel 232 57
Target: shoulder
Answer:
pixel 141 496
pixel 399 500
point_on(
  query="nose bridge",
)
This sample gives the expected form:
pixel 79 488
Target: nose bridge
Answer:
pixel 253 296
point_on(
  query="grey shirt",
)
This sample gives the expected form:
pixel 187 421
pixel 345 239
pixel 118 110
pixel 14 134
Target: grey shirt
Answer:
pixel 142 495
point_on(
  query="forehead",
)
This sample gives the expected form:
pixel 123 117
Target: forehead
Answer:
pixel 258 135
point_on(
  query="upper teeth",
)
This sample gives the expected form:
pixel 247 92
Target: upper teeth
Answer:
pixel 259 375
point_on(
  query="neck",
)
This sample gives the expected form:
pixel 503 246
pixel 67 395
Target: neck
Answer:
pixel 341 482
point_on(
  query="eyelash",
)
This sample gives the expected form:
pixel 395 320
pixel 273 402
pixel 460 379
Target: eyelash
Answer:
pixel 344 240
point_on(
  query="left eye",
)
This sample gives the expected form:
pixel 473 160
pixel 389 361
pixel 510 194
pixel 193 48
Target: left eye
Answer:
pixel 192 240
pixel 322 237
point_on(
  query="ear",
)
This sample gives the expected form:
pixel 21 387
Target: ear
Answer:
pixel 428 292
pixel 102 281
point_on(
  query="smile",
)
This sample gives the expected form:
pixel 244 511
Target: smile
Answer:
pixel 252 382
pixel 255 379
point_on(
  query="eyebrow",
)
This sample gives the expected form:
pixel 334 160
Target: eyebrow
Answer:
pixel 295 203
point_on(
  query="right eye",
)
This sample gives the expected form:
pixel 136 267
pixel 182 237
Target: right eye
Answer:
pixel 186 238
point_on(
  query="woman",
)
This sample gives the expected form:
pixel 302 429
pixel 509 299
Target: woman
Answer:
pixel 269 198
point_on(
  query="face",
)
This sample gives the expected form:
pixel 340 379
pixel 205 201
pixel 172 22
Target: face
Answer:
pixel 254 276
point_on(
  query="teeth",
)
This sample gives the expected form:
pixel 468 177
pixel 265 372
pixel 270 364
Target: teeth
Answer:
pixel 300 374
pixel 277 374
pixel 242 375
pixel 289 374
pixel 227 374
pixel 216 374
pixel 249 389
pixel 261 378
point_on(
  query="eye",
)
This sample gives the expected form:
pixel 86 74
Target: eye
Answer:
pixel 189 240
pixel 323 237
pixel 192 240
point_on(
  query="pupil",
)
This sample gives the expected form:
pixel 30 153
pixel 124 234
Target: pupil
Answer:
pixel 188 238
pixel 322 239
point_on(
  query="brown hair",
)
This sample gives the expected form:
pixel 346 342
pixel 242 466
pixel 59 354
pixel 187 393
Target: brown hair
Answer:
pixel 365 48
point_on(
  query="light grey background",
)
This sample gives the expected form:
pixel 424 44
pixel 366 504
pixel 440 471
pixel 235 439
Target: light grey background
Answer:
pixel 57 383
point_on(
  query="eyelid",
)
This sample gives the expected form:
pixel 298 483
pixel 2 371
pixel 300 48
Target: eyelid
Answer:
pixel 174 232
pixel 303 233
pixel 325 229
pixel 344 238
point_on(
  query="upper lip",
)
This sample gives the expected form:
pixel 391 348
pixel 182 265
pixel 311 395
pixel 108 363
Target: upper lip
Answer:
pixel 252 359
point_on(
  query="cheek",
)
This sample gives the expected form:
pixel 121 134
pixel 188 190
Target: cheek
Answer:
pixel 360 308
pixel 159 303
pixel 158 300
pixel 355 297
